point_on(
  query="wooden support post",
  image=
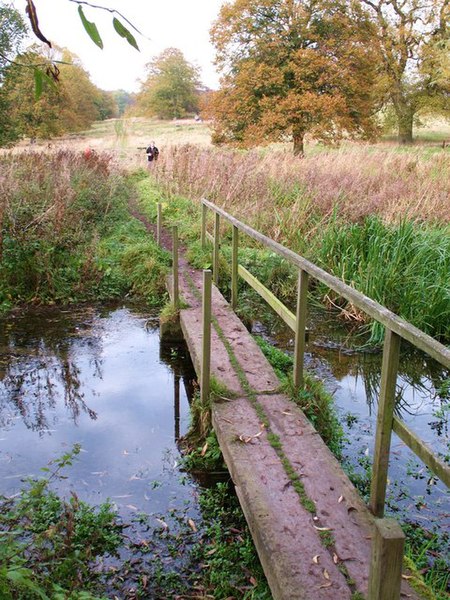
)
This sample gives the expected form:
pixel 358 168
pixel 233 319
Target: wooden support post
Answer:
pixel 206 341
pixel 300 328
pixel 158 223
pixel 385 417
pixel 175 287
pixel 385 576
pixel 203 234
pixel 216 249
pixel 234 267
pixel 176 405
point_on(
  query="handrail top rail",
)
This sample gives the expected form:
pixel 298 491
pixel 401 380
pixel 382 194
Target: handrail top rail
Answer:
pixel 375 310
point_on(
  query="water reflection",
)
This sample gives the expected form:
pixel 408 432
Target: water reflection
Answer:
pixel 39 367
pixel 101 378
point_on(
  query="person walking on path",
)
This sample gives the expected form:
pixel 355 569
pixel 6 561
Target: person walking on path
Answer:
pixel 152 153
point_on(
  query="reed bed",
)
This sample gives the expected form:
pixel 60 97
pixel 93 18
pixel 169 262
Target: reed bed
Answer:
pixel 53 208
pixel 376 218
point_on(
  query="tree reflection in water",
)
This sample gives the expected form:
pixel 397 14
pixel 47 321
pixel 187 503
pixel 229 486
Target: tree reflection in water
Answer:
pixel 39 366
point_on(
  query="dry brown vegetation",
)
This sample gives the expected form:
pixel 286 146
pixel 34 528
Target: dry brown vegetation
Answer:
pixel 277 192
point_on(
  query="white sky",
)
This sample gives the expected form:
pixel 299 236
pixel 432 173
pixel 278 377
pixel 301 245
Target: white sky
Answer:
pixel 164 23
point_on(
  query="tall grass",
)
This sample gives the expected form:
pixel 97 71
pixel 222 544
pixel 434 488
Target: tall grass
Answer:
pixel 405 267
pixel 374 218
pixel 59 214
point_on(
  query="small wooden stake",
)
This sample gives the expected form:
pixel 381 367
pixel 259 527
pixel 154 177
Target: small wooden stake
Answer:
pixel 234 267
pixel 385 417
pixel 158 223
pixel 216 249
pixel 385 575
pixel 300 328
pixel 175 289
pixel 203 234
pixel 206 341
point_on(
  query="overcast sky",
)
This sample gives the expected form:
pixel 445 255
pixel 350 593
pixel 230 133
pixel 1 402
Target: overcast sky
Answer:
pixel 164 23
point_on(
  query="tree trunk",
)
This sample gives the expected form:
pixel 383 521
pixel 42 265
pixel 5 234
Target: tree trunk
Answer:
pixel 299 148
pixel 405 117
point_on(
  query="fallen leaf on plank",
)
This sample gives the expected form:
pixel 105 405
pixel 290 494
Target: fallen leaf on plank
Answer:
pixel 192 525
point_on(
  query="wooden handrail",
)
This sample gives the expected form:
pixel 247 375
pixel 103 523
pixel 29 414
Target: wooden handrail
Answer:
pixel 375 310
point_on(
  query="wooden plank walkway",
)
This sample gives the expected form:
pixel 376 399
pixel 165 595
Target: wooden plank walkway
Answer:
pixel 291 541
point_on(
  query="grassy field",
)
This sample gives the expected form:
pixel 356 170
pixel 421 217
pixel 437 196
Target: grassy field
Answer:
pixel 124 138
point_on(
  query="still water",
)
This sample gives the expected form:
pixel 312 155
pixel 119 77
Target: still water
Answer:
pixel 102 378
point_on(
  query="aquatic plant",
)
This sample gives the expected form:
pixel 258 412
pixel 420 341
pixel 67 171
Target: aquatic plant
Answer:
pixel 49 545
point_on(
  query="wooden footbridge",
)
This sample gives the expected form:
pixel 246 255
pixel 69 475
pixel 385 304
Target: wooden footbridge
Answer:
pixel 314 535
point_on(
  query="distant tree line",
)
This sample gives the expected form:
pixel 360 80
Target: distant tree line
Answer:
pixel 67 101
pixel 330 69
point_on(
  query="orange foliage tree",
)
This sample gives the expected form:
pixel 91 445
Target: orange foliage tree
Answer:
pixel 292 67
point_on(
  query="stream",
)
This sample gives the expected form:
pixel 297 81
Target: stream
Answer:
pixel 101 377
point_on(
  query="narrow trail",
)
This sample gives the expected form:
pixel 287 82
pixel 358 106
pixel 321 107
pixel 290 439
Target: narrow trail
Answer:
pixel 310 527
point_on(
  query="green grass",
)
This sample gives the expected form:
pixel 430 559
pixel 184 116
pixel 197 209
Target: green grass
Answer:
pixel 404 267
pixel 68 235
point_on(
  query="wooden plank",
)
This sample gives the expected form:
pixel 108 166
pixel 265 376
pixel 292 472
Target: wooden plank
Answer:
pixel 300 329
pixel 209 237
pixel 281 310
pixel 386 404
pixel 206 339
pixel 387 558
pixel 234 267
pixel 375 310
pixel 437 466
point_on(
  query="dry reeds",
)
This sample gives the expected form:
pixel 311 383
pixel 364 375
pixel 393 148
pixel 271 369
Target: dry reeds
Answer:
pixel 277 191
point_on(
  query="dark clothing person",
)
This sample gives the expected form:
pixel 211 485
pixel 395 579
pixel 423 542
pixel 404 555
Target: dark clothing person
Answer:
pixel 152 152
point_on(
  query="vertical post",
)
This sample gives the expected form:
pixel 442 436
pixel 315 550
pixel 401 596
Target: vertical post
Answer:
pixel 300 328
pixel 216 249
pixel 391 351
pixel 203 234
pixel 176 405
pixel 158 223
pixel 175 288
pixel 234 267
pixel 385 576
pixel 206 340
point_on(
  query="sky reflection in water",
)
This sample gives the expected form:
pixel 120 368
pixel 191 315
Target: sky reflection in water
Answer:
pixel 100 378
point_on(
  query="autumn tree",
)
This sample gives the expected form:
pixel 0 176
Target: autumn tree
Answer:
pixel 413 38
pixel 170 89
pixel 12 32
pixel 292 67
pixel 72 103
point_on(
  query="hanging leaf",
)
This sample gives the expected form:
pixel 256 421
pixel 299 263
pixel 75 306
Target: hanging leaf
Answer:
pixel 37 84
pixel 32 15
pixel 91 29
pixel 125 33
